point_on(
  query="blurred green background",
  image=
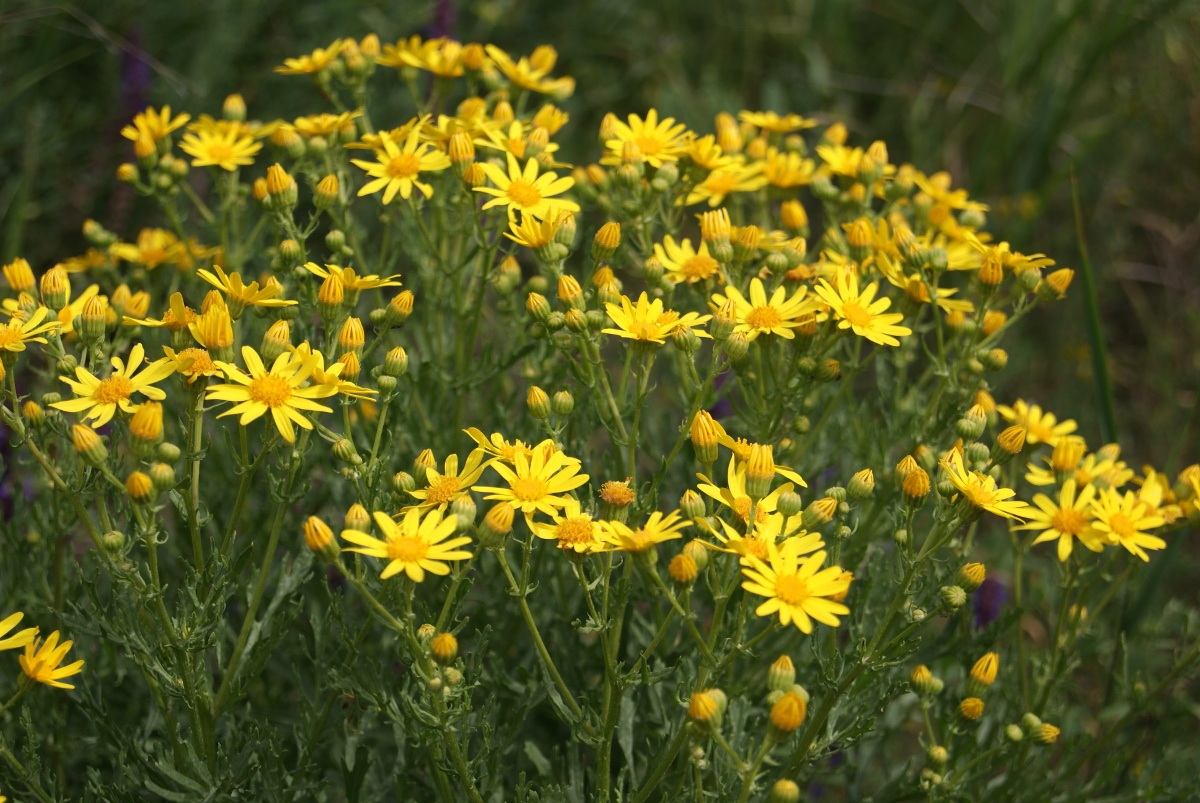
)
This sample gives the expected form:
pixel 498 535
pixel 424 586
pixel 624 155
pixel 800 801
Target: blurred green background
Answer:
pixel 1009 97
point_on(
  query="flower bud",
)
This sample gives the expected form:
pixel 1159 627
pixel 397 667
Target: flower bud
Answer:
pixel 704 711
pixel 538 307
pixel 140 487
pixel 704 435
pixel 760 471
pixel 994 359
pixel 162 475
pixel 683 570
pixel 787 715
pixel 1055 285
pixel 399 308
pixel 1010 442
pixel 395 363
pixel 329 298
pixel 953 597
pixel 344 450
pixel 290 253
pixel 421 465
pixel 784 791
pixel 983 674
pixel 861 485
pixel 737 346
pixel 970 709
pixel 351 338
pixel 88 445
pixel 781 675
pixel 828 370
pixel 819 513
pixel 538 403
pixel 275 341
pixel 281 188
pixel 319 539
pixel 971 425
pixel 922 680
pixel 465 511
pixel 357 518
pixel 34 414
pixel 789 504
pixel 970 576
pixel 444 648
pixel 326 192
pixel 496 526
pixel 1045 734
pixel 146 429
pixel 698 552
pixel 915 488
pixel 722 324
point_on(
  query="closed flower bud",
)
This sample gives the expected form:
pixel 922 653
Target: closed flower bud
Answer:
pixel 683 570
pixel 162 475
pixel 991 272
pixel 971 709
pixel 905 467
pixel 970 576
pixel 474 176
pixel 953 597
pixel 983 674
pixel 92 319
pixel 344 450
pixel 971 425
pixel 538 307
pixel 562 403
pixel 992 321
pixel 88 444
pixel 781 675
pixel 794 216
pixel 421 465
pixel 698 552
pixel 789 504
pixel 861 485
pixel 140 487
pixel 351 338
pixel 606 242
pixel 787 715
pixel 357 518
pixel 146 429
pixel 330 297
pixel 828 370
pixel 465 509
pixel 569 291
pixel 760 471
pixel 34 414
pixel 978 453
pixel 326 193
pixel 916 488
pixel 461 151
pixel 538 403
pixel 937 756
pixel 784 791
pixel 402 482
pixel 704 434
pixel 685 340
pixel 351 367
pixel 1055 285
pixel 259 190
pixel 704 711
pixel 994 359
pixel 275 341
pixel 19 275
pixel 1045 734
pixel 576 320
pixel 819 513
pixel 496 526
pixel 921 680
pixel 737 346
pixel 444 648
pixel 395 363
pixel 281 188
pixel 1011 441
pixel 715 227
pixel 319 539
pixel 113 542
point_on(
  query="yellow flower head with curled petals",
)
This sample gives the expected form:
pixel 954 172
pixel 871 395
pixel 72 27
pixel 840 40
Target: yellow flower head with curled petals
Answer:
pixel 414 545
pixel 101 397
pixel 647 322
pixel 759 315
pixel 797 588
pixel 278 391
pixel 537 481
pixel 41 662
pixel 524 190
pixel 980 490
pixel 658 140
pixel 397 169
pixel 862 313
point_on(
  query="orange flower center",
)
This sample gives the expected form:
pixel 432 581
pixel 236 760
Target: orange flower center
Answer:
pixel 648 145
pixel 529 489
pixel 856 314
pixel 113 390
pixel 1069 521
pixel 643 330
pixel 508 453
pixel 575 530
pixel 406 165
pixel 755 546
pixel 1122 525
pixel 720 183
pixel 201 362
pixel 741 506
pixel 442 492
pixel 792 589
pixel 9 335
pixel 640 541
pixel 407 548
pixel 523 194
pixel 220 152
pixel 270 390
pixel 698 267
pixel 765 317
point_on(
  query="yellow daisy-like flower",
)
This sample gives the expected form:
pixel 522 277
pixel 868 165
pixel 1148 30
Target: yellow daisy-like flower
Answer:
pixel 786 169
pixel 528 75
pixel 228 151
pixel 1066 521
pixel 1041 427
pixel 657 529
pixel 414 545
pixel 313 62
pixel 177 316
pixel 192 363
pixel 154 124
pixel 684 264
pixel 449 484
pixel 723 181
pixel 659 141
pixel 40 662
pixel 533 233
pixel 573 530
pixel 845 161
pixel 154 247
pixel 243 295
pixel 755 543
pixel 706 153
pixel 1122 518
pixel 16 333
pixel 776 123
pixel 324 124
pixel 397 169
pixel 861 312
pixel 441 56
pixel 500 449
pixel 647 322
pixel 526 191
pixel 759 316
pixel 329 377
pixel 798 590
pixel 536 481
pixel 734 497
pixel 350 280
pixel 101 397
pixel 19 639
pixel 980 490
pixel 257 391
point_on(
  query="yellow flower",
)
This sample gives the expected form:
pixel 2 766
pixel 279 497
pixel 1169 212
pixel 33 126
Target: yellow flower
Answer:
pixel 351 281
pixel 573 530
pixel 533 233
pixel 227 151
pixel 20 639
pixel 40 662
pixel 798 590
pixel 647 322
pixel 450 483
pixel 787 169
pixel 499 448
pixel 735 497
pixel 413 545
pixel 1066 521
pixel 535 481
pixel 980 490
pixel 396 169
pixel 861 312
pixel 706 153
pixel 530 72
pixel 153 124
pixel 725 180
pixel 1040 427
pixel 16 333
pixel 177 316
pixel 684 264
pixel 242 295
pixel 659 142
pixel 154 247
pixel 845 161
pixel 332 377
pixel 759 315
pixel 656 530
pixel 755 542
pixel 325 124
pixel 101 397
pixel 258 391
pixel 313 62
pixel 1121 519
pixel 525 190
pixel 441 56
pixel 778 124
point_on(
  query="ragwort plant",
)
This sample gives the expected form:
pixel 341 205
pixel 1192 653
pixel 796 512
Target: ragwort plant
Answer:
pixel 575 555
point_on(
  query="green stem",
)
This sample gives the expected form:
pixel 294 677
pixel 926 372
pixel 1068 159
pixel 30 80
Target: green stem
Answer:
pixel 196 432
pixel 12 700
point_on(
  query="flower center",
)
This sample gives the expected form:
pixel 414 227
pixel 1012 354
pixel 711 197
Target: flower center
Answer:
pixel 168 318
pixel 1122 525
pixel 516 147
pixel 9 335
pixel 113 390
pixel 720 183
pixel 979 496
pixel 575 530
pixel 755 546
pixel 765 317
pixel 523 194
pixel 1069 521
pixel 406 165
pixel 219 152
pixel 741 506
pixel 791 589
pixel 442 492
pixel 856 314
pixel 529 489
pixel 640 541
pixel 698 267
pixel 643 330
pixel 407 548
pixel 201 362
pixel 649 146
pixel 270 390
